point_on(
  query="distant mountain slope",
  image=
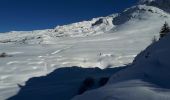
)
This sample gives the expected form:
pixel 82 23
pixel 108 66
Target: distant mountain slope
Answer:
pixel 146 10
pixel 81 29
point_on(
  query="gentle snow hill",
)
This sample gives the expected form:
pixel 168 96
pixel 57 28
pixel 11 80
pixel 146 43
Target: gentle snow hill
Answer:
pixel 103 42
pixel 148 77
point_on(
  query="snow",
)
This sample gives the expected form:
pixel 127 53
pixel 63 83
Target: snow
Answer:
pixel 59 85
pixel 113 42
pixel 147 78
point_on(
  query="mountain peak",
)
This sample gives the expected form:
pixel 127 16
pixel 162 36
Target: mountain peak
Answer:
pixel 163 4
pixel 152 1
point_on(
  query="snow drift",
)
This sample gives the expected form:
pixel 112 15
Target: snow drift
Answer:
pixel 147 78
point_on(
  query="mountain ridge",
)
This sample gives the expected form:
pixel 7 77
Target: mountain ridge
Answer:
pixel 144 10
pixel 162 4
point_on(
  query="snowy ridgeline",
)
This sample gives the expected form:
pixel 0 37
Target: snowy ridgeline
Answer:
pixel 164 4
pixel 81 29
pixel 97 26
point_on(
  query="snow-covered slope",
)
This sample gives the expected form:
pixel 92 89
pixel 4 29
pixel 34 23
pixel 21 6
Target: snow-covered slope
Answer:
pixel 103 42
pixel 81 29
pixel 63 83
pixel 148 77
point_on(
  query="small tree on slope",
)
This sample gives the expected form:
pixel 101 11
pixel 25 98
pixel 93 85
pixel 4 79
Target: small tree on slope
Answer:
pixel 164 30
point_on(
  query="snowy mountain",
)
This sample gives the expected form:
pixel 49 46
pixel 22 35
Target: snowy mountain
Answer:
pixel 162 4
pixel 80 29
pixel 103 42
pixel 145 10
pixel 147 78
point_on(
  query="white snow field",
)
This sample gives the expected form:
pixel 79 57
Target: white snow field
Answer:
pixel 147 78
pixel 110 41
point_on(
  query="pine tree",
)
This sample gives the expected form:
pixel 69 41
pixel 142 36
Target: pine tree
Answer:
pixel 164 30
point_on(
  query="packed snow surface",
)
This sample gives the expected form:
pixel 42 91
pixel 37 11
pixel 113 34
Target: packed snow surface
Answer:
pixel 102 42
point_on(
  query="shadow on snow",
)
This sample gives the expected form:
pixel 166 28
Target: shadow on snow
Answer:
pixel 64 83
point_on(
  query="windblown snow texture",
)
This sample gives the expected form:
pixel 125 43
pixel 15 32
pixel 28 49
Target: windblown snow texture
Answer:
pixel 147 78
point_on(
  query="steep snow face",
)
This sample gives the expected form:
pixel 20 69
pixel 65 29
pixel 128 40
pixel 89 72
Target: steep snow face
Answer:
pixel 139 13
pixel 148 77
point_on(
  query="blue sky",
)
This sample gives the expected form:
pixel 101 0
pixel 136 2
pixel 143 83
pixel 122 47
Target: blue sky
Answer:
pixel 23 15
